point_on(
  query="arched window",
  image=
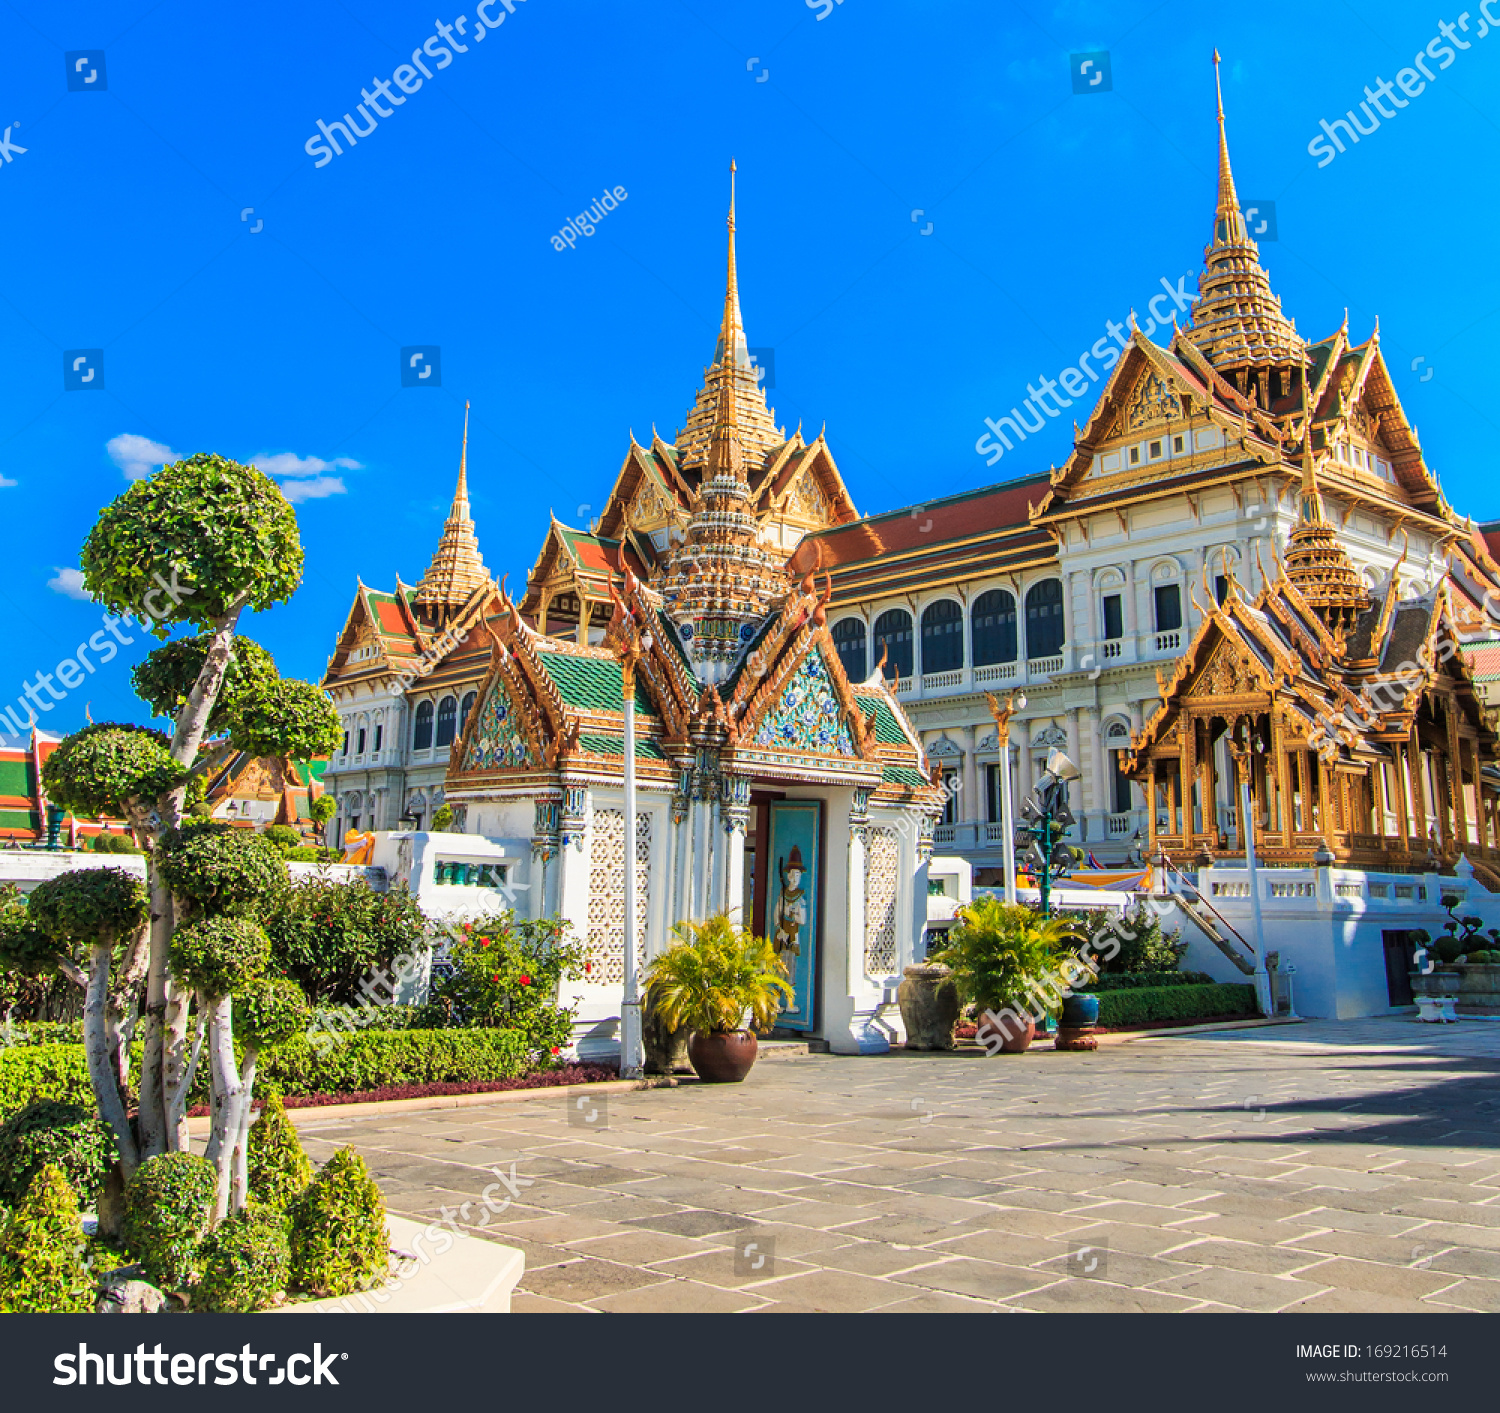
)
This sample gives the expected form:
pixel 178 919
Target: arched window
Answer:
pixel 942 637
pixel 447 719
pixel 359 748
pixel 849 642
pixel 1044 619
pixel 993 626
pixel 465 709
pixel 422 735
pixel 893 633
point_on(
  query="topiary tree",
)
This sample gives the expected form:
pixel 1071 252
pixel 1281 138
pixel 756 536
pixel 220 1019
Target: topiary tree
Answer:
pixel 282 837
pixel 442 819
pixel 338 1234
pixel 194 546
pixel 41 1251
pixel 320 812
pixel 267 1012
pixel 278 1168
pixel 102 910
pixel 72 1138
pixel 168 1211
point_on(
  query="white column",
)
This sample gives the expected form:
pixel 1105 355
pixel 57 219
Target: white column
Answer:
pixel 631 1054
pixel 972 806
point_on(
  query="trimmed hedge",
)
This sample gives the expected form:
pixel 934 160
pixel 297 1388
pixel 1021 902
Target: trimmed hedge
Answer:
pixel 339 1064
pixel 1132 981
pixel 52 1071
pixel 1151 1005
pixel 374 1059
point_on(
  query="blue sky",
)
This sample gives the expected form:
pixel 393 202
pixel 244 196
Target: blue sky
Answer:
pixel 1050 212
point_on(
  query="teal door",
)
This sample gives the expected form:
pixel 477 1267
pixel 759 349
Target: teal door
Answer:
pixel 794 892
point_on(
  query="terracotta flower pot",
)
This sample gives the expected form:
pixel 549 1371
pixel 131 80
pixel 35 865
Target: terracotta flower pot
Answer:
pixel 723 1057
pixel 1010 1032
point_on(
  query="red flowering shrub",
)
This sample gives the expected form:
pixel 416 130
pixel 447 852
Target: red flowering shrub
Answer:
pixel 506 972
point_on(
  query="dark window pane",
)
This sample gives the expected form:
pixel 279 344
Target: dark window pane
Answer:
pixel 465 709
pixel 421 737
pixel 893 633
pixel 1168 607
pixel 1114 617
pixel 1044 619
pixel 993 625
pixel 942 637
pixel 849 643
pixel 447 720
pixel 359 748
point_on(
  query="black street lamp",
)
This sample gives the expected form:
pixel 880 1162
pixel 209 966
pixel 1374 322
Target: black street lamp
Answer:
pixel 1046 821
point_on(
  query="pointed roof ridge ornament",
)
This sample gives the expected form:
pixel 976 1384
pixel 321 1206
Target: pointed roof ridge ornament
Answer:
pixel 1227 211
pixel 457 567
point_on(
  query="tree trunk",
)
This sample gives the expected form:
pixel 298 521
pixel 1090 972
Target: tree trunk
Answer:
pixel 177 1097
pixel 111 1211
pixel 226 1096
pixel 156 1134
pixel 240 1189
pixel 104 1074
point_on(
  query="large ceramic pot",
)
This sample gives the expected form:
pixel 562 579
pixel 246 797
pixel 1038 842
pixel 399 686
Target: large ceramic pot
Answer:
pixel 722 1057
pixel 929 1005
pixel 1478 990
pixel 666 1050
pixel 1078 1010
pixel 1443 980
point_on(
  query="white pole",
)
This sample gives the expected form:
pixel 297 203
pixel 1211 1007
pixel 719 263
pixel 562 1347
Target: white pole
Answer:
pixel 1247 833
pixel 1007 823
pixel 632 1059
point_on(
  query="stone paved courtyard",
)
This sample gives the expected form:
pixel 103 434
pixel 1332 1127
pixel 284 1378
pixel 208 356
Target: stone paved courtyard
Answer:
pixel 1327 1166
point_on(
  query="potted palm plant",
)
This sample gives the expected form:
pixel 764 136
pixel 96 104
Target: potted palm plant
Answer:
pixel 710 981
pixel 1007 961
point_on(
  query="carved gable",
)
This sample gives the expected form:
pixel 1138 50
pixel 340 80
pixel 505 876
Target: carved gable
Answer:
pixel 809 716
pixel 1226 674
pixel 1151 401
pixel 497 743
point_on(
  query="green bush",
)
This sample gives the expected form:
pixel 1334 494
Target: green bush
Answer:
pixel 41 1251
pixel 1130 981
pixel 219 868
pixel 339 1238
pixel 1131 941
pixel 269 1011
pixel 246 1263
pixel 48 1071
pixel 68 1032
pixel 278 1168
pixel 72 1137
pixel 506 972
pixel 283 836
pixel 1152 1004
pixel 328 935
pixel 167 1210
pixel 329 1062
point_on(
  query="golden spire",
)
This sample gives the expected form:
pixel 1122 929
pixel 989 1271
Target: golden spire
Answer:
pixel 730 376
pixel 1316 562
pixel 1237 321
pixel 457 568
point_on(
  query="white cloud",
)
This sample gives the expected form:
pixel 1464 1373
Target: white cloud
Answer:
pixel 314 488
pixel 138 456
pixel 302 477
pixel 69 583
pixel 6 481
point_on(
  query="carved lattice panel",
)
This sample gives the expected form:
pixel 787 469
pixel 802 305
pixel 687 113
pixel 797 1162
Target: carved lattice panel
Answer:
pixel 882 877
pixel 606 954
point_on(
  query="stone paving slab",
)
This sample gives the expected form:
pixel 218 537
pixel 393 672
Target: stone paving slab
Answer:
pixel 1332 1166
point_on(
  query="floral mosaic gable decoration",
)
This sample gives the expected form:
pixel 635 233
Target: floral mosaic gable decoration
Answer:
pixel 809 716
pixel 497 744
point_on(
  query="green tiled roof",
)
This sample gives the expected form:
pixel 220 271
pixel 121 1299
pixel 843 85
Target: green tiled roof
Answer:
pixel 594 683
pixel 887 729
pixel 904 775
pixel 17 819
pixel 602 745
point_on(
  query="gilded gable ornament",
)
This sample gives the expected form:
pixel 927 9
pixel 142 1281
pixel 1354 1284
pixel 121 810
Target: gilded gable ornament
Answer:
pixel 650 505
pixel 1226 675
pixel 807 499
pixel 1151 400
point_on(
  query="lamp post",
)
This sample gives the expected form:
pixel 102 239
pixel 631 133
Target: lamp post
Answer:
pixel 1046 820
pixel 1015 702
pixel 1242 759
pixel 630 644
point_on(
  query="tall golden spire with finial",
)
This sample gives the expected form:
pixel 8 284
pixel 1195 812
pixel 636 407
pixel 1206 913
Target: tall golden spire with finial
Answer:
pixel 732 377
pixel 457 568
pixel 1237 321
